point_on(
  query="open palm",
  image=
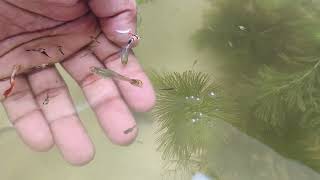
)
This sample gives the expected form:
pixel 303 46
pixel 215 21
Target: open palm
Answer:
pixel 79 34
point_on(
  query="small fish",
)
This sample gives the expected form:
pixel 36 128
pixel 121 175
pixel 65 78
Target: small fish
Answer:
pixel 7 92
pixel 46 100
pixel 126 50
pixel 129 130
pixel 125 54
pixel 106 73
pixel 41 50
pixel 60 50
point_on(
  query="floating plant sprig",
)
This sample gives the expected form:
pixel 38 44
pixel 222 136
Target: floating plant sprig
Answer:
pixel 188 106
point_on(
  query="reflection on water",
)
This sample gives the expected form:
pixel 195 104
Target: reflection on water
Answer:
pixel 229 39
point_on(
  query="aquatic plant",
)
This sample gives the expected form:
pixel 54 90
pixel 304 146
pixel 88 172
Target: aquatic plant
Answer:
pixel 283 93
pixel 189 106
pixel 261 32
pixel 275 45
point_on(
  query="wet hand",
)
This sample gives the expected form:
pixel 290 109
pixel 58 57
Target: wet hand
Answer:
pixel 79 35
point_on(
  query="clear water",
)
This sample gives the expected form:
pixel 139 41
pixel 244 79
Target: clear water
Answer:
pixel 167 30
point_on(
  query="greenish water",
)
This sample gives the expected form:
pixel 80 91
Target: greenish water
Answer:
pixel 174 34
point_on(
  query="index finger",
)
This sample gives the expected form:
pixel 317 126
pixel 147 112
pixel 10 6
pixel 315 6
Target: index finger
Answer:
pixel 116 15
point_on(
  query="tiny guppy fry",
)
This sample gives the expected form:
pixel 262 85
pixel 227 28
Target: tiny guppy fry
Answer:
pixel 16 68
pixel 124 53
pixel 107 73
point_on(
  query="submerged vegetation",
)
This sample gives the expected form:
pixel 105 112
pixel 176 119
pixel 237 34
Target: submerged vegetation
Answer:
pixel 189 107
pixel 262 32
pixel 272 50
pixel 284 93
pixel 278 42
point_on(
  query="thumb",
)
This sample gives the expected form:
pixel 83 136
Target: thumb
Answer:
pixel 116 16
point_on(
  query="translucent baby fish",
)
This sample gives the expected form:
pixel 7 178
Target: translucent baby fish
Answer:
pixel 125 54
pixel 41 50
pixel 125 50
pixel 106 73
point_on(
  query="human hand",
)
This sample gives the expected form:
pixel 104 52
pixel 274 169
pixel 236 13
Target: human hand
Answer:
pixel 40 107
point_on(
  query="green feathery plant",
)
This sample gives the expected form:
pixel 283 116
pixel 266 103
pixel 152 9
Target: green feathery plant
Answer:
pixel 276 44
pixel 284 93
pixel 188 107
pixel 255 32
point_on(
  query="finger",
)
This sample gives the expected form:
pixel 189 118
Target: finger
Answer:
pixel 69 134
pixel 140 99
pixel 26 116
pixel 103 96
pixel 116 15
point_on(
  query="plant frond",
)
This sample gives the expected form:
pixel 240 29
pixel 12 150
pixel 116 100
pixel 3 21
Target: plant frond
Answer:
pixel 188 106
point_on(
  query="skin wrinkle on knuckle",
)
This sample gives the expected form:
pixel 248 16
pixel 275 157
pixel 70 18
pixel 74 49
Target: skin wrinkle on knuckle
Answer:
pixel 107 52
pixel 19 97
pixel 63 117
pixel 100 98
pixel 111 57
pixel 52 92
pixel 26 114
pixel 105 101
pixel 88 80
